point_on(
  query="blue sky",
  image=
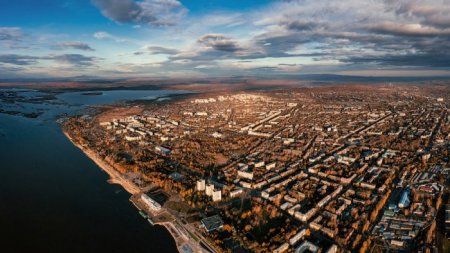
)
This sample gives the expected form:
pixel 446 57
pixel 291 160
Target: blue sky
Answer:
pixel 208 38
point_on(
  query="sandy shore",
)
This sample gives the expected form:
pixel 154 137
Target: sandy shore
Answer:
pixel 115 176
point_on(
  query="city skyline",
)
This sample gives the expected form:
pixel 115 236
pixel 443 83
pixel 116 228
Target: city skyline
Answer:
pixel 170 38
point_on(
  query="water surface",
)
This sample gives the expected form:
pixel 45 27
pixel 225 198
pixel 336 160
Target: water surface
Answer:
pixel 55 199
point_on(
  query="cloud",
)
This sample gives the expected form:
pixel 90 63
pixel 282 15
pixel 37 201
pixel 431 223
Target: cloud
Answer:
pixel 219 42
pixel 392 28
pixel 102 35
pixel 289 67
pixel 14 45
pixel 10 69
pixel 69 59
pixel 153 50
pixel 213 49
pixel 313 36
pixel 161 50
pixel 73 45
pixel 300 25
pixel 393 33
pixel 419 60
pixel 432 13
pixel 322 36
pixel 74 59
pixel 152 12
pixel 20 60
pixel 287 36
pixel 7 72
pixel 11 33
pixel 207 48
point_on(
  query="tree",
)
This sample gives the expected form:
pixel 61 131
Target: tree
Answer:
pixel 227 228
pixel 365 246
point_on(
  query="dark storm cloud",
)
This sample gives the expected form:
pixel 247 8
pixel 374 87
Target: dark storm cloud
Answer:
pixel 153 12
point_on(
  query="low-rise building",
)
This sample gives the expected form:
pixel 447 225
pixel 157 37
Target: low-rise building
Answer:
pixel 212 223
pixel 151 203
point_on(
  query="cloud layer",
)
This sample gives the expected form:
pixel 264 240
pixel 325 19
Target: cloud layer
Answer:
pixel 343 35
pixel 396 33
pixel 11 34
pixel 286 37
pixel 74 60
pixel 153 12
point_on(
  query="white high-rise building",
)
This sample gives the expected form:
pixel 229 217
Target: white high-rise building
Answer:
pixel 217 196
pixel 209 189
pixel 201 185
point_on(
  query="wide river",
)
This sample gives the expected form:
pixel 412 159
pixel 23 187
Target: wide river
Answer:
pixel 55 199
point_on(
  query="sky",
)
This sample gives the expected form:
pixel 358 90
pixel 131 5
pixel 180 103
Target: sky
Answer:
pixel 223 38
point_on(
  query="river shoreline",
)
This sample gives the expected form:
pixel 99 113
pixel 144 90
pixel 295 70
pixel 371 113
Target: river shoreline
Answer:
pixel 117 178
